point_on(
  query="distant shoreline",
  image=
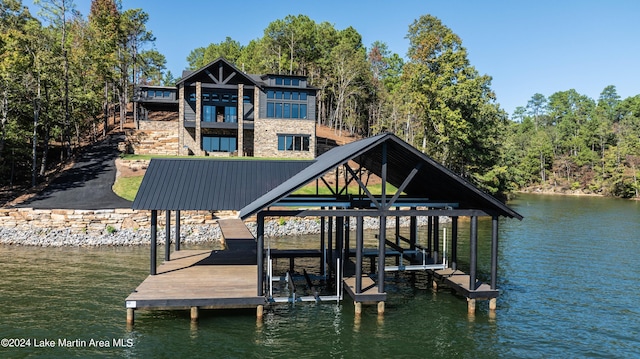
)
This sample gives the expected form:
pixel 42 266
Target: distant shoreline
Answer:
pixel 565 192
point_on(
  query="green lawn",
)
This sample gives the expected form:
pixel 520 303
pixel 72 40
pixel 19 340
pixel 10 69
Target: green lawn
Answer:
pixel 127 187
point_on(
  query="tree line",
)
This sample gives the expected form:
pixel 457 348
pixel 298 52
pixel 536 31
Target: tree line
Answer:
pixel 433 98
pixel 571 141
pixel 62 76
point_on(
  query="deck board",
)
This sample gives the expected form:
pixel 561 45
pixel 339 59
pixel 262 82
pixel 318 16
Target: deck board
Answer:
pixel 459 281
pixel 184 282
pixel 234 229
pixel 369 290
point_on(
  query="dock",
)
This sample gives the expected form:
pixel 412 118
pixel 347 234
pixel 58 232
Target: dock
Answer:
pixel 203 279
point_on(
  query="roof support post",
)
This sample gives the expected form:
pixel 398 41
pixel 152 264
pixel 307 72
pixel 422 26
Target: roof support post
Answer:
pixel 167 236
pixel 177 230
pixel 413 230
pixel 323 250
pixel 473 253
pixel 260 253
pixel 429 235
pixel 436 238
pixel 494 251
pixel 359 245
pixel 398 258
pixel 154 240
pixel 340 237
pixel 347 236
pixel 330 244
pixel 381 255
pixel 454 242
pixel 383 174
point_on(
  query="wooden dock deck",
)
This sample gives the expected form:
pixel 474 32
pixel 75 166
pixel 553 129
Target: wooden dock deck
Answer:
pixel 459 282
pixel 189 280
pixel 369 290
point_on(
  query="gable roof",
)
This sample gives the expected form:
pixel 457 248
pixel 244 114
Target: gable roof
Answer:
pixel 432 180
pixel 215 71
pixel 210 184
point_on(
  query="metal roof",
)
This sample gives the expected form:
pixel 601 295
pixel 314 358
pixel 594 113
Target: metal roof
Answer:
pixel 432 181
pixel 210 184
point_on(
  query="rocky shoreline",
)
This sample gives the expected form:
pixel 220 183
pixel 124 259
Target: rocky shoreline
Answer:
pixel 190 234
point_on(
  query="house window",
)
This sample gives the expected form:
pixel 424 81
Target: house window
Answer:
pixel 293 142
pixel 230 114
pixel 208 113
pixel 219 143
pixel 287 104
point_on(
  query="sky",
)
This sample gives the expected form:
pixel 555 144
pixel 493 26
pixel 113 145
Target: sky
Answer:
pixel 527 47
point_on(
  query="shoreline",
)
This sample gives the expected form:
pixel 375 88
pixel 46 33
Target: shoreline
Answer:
pixel 566 192
pixel 190 234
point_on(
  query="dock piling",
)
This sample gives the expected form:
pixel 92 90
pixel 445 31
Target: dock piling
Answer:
pixel 194 314
pixel 380 308
pixel 130 316
pixel 471 306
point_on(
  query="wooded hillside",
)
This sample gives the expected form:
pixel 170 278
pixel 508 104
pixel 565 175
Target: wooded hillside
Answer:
pixel 60 77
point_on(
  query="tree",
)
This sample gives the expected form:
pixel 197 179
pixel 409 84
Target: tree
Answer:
pixel 104 24
pixel 230 49
pixel 133 36
pixel 460 123
pixel 57 11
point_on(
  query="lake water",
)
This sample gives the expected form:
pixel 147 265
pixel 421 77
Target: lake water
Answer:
pixel 568 274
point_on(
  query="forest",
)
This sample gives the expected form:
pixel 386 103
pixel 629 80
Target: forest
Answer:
pixel 63 76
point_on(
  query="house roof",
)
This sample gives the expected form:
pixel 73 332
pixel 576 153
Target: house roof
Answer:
pixel 432 180
pixel 210 184
pixel 215 68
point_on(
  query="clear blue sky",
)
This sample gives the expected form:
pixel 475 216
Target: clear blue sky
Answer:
pixel 527 47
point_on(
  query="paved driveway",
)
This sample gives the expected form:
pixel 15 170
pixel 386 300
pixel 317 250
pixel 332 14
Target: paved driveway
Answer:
pixel 87 185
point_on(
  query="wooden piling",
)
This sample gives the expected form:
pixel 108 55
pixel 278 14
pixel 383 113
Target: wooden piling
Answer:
pixel 194 314
pixel 380 308
pixel 493 304
pixel 471 306
pixel 358 308
pixel 130 316
pixel 260 311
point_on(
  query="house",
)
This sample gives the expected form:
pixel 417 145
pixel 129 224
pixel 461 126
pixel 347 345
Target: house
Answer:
pixel 219 110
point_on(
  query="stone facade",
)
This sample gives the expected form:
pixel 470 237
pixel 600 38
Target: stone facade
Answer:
pixel 266 137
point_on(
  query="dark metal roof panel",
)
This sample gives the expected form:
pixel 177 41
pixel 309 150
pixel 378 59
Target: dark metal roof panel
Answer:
pixel 210 184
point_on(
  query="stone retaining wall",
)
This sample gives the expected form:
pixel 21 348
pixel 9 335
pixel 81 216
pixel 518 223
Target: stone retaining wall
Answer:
pixel 158 141
pixel 83 221
pixel 126 227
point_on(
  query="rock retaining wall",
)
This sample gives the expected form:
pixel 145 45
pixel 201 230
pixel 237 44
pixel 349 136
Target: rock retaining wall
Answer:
pixel 124 227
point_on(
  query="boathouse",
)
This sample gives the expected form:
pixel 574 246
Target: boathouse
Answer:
pixel 242 275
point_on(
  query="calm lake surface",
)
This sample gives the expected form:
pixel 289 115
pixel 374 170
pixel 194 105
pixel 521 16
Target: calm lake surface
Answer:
pixel 568 274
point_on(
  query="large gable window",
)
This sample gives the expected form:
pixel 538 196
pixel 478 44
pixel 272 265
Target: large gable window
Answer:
pixel 286 104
